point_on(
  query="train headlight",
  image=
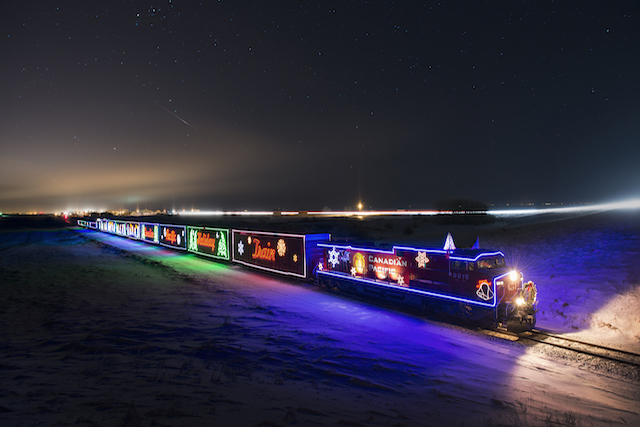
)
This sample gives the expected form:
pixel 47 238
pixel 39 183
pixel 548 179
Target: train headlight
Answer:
pixel 513 276
pixel 520 301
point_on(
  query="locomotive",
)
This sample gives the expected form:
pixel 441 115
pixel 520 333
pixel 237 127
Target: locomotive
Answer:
pixel 474 284
pixel 469 283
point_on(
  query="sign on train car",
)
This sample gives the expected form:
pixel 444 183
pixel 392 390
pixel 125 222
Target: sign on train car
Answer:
pixel 132 230
pixel 276 252
pixel 211 242
pixel 173 236
pixel 150 232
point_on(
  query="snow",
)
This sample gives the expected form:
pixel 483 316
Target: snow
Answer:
pixel 101 330
pixel 587 273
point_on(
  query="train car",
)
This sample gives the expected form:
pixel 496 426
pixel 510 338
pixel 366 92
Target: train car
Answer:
pixel 121 228
pixel 208 241
pixel 282 253
pixel 471 283
pixel 172 236
pixel 87 224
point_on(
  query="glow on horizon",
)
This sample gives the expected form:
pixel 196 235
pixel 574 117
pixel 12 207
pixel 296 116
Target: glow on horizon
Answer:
pixel 627 204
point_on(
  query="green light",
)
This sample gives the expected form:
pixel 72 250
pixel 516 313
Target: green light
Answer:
pixel 222 247
pixel 193 240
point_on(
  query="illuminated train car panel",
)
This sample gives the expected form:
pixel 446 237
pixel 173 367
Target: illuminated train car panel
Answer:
pixel 207 241
pixel 128 229
pixel 150 232
pixel 173 236
pixel 287 254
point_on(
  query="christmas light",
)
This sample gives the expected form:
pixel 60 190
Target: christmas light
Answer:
pixel 333 257
pixel 211 242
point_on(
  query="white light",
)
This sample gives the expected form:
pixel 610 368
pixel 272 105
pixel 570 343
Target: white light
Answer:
pixel 513 276
pixel 519 301
pixel 627 204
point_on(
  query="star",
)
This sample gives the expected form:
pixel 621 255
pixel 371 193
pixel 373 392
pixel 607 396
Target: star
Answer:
pixel 240 248
pixel 400 280
pixel 353 271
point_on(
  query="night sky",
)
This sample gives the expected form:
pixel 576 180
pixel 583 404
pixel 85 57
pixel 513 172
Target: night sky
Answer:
pixel 306 105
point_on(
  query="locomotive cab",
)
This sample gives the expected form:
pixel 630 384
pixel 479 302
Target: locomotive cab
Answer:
pixel 517 300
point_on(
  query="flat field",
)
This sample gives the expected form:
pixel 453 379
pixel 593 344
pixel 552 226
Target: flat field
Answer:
pixel 101 330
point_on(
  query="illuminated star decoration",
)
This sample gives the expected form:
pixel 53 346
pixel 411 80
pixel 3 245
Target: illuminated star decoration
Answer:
pixel 282 247
pixel 422 259
pixel 240 248
pixel 295 257
pixel 333 257
pixel 320 266
pixel 353 271
pixel 400 280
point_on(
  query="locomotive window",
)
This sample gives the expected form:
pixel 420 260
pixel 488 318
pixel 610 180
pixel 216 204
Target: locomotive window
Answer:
pixel 491 262
pixel 462 265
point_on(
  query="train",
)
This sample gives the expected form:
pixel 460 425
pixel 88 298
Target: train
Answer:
pixel 469 284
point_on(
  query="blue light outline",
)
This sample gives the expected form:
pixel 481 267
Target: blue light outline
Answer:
pixel 407 248
pixel 415 291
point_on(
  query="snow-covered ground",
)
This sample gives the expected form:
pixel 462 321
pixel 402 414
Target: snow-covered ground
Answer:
pixel 101 330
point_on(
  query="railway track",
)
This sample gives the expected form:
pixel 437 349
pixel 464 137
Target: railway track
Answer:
pixel 583 347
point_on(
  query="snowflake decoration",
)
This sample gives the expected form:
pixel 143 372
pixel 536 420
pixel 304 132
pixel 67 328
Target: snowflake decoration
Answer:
pixel 320 266
pixel 353 271
pixel 333 257
pixel 240 247
pixel 281 247
pixel 295 257
pixel 422 259
pixel 400 280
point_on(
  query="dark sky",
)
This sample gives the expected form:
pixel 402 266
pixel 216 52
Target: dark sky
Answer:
pixel 313 104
